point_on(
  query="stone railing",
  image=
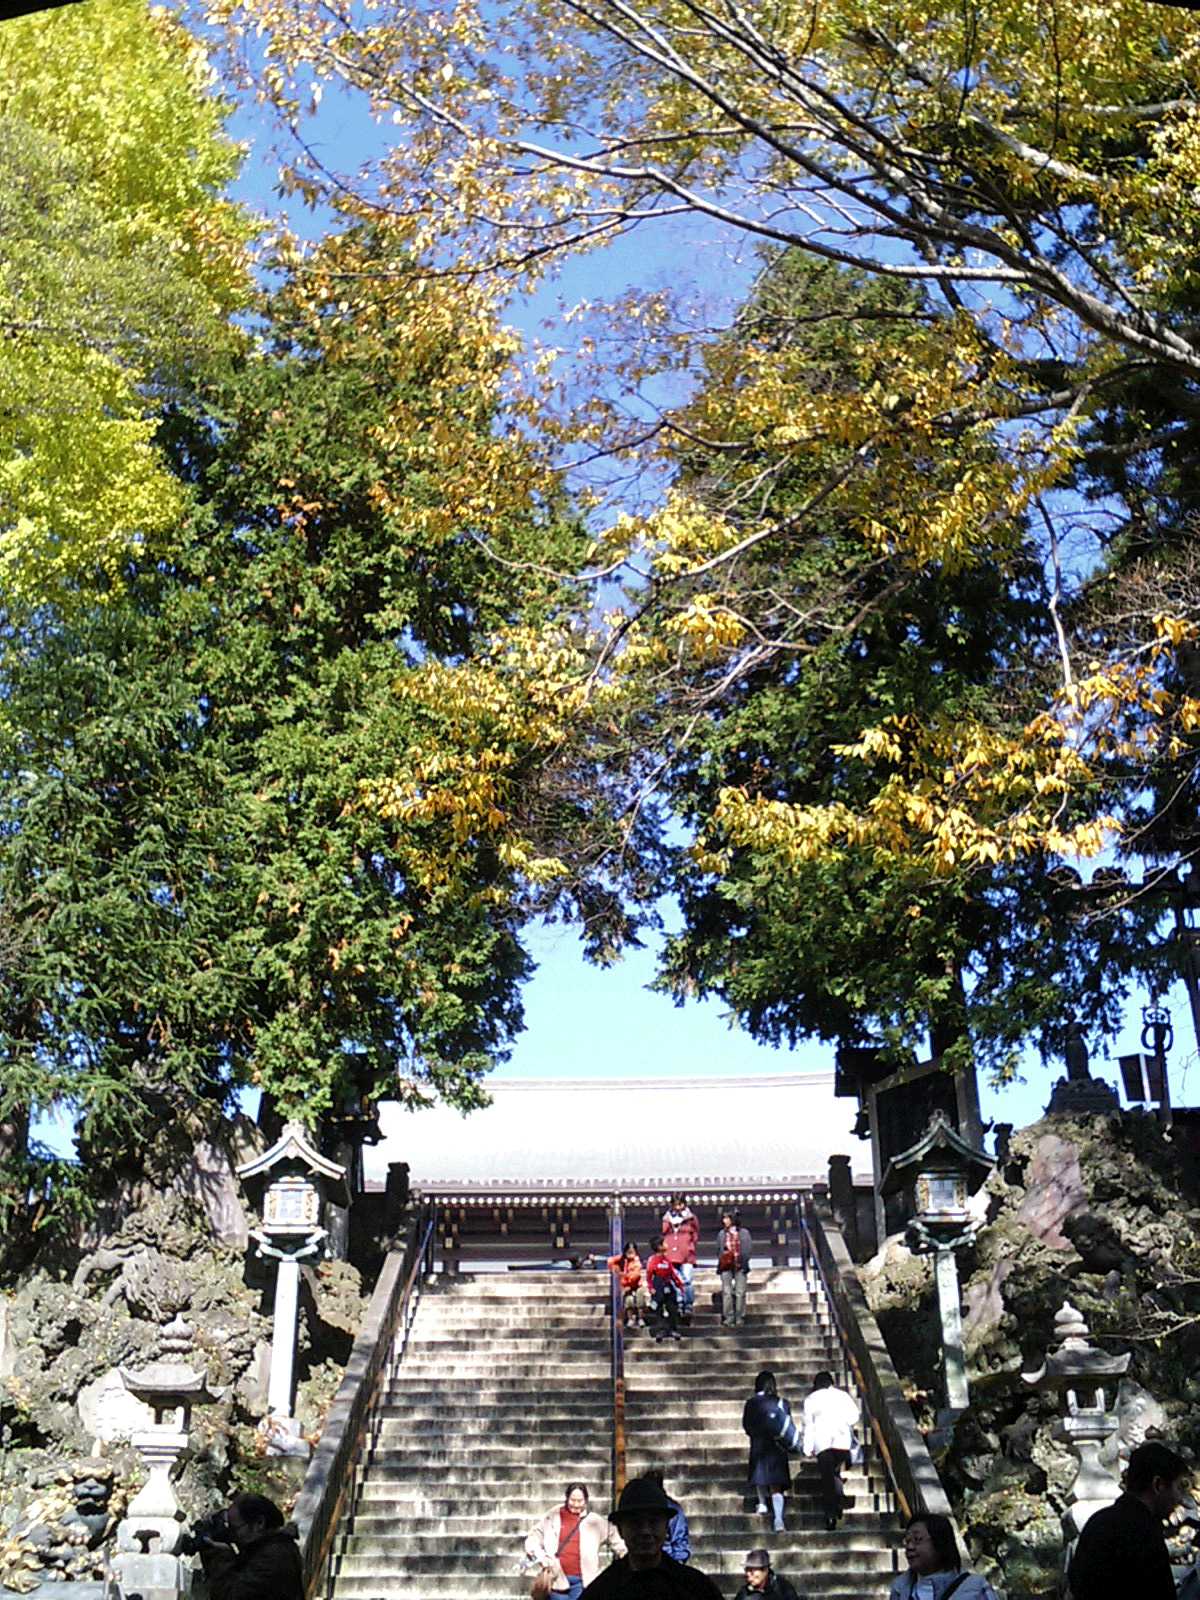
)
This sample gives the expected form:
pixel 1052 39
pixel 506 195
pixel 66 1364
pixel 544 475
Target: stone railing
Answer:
pixel 901 1444
pixel 332 1478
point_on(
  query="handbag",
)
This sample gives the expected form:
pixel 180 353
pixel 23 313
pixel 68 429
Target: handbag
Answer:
pixel 856 1455
pixel 725 1261
pixel 542 1586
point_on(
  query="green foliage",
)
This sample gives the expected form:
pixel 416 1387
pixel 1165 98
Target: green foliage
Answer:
pixel 860 942
pixel 121 264
pixel 211 901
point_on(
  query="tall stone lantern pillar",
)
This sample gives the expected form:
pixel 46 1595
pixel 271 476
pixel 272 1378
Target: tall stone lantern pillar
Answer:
pixel 937 1177
pixel 290 1184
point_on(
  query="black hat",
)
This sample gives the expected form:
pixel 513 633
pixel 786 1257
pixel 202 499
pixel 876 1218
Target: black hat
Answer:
pixel 640 1494
pixel 758 1558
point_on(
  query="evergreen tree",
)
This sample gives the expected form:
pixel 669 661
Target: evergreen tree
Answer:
pixel 208 896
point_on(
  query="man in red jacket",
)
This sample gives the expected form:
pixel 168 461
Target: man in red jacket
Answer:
pixel 680 1231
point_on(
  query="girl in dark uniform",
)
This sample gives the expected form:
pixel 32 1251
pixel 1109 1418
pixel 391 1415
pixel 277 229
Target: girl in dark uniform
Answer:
pixel 768 1473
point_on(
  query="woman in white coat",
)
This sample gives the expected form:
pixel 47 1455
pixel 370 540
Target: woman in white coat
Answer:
pixel 830 1417
pixel 569 1540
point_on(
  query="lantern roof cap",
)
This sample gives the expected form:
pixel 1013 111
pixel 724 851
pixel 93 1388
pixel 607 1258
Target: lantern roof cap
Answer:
pixel 292 1147
pixel 1075 1359
pixel 939 1139
pixel 171 1380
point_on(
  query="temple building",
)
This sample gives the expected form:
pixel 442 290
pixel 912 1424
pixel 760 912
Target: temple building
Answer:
pixel 539 1174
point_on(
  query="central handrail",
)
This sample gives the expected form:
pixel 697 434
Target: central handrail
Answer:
pixel 332 1477
pixel 616 1246
pixel 901 1443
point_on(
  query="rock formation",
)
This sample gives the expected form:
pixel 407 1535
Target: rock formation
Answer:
pixel 1106 1212
pixel 66 1415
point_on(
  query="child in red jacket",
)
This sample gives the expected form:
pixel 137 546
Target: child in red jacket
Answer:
pixel 666 1291
pixel 628 1267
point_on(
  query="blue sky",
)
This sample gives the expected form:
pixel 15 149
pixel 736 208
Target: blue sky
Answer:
pixel 586 1022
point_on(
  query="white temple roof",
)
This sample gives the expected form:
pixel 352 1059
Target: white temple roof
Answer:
pixel 694 1131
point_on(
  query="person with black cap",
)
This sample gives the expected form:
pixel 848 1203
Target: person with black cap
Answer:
pixel 645 1572
pixel 761 1579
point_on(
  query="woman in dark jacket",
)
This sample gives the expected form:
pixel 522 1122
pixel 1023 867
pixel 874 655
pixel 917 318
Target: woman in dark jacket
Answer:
pixel 262 1560
pixel 768 1473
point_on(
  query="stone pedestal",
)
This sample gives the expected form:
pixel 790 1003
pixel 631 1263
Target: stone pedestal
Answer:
pixel 1079 1094
pixel 1083 1097
pixel 953 1354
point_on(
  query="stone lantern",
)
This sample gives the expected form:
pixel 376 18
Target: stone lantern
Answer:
pixel 937 1177
pixel 1077 1369
pixel 290 1185
pixel 148 1562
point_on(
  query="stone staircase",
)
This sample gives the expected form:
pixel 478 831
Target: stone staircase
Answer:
pixel 503 1397
pixel 684 1413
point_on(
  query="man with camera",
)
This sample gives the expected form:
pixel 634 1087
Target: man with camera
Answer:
pixel 248 1554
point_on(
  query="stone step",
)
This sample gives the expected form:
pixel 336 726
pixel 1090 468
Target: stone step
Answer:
pixel 462 1285
pixel 507 1583
pixel 511 1585
pixel 468 1563
pixel 480 1366
pixel 647 1384
pixel 419 1422
pixel 461 1520
pixel 722 1448
pixel 563 1331
pixel 538 1474
pixel 384 1497
pixel 569 1333
pixel 597 1291
pixel 586 1456
pixel 596 1332
pixel 402 1468
pixel 414 1500
pixel 498 1392
pixel 396 1547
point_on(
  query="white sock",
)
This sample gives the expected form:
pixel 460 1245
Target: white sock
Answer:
pixel 777 1508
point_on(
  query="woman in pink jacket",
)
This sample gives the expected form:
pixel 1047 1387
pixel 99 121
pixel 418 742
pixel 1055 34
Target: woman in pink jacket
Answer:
pixel 569 1542
pixel 680 1235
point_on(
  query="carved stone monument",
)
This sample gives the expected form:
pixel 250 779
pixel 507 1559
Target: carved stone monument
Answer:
pixel 1079 1094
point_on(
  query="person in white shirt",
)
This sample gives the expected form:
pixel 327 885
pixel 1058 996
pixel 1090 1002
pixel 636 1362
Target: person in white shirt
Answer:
pixel 830 1418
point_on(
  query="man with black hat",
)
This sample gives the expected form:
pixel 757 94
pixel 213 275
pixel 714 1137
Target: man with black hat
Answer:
pixel 762 1580
pixel 643 1516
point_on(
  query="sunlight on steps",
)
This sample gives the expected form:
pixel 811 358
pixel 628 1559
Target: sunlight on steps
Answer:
pixel 504 1395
